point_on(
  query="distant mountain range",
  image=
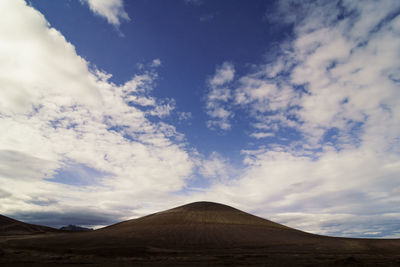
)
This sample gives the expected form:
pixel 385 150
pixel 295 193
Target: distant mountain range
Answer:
pixel 200 233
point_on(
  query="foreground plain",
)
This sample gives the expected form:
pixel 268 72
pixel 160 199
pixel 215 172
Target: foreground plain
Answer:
pixel 197 234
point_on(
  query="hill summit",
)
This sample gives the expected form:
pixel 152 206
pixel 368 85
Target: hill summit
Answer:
pixel 203 212
pixel 205 205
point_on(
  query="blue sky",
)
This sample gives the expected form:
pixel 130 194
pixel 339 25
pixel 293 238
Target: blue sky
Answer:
pixel 191 40
pixel 114 109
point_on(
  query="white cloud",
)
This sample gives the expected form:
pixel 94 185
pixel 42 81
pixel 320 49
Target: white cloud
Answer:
pixel 218 124
pixel 259 135
pixel 57 115
pixel 184 116
pixel 218 97
pixel 163 109
pixel 141 100
pixel 112 10
pixel 216 167
pixel 156 63
pixel 22 64
pixel 224 74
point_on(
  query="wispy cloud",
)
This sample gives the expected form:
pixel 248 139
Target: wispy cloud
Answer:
pixel 206 17
pixel 216 167
pixel 112 10
pixel 184 116
pixel 260 135
pixel 218 96
pixel 155 63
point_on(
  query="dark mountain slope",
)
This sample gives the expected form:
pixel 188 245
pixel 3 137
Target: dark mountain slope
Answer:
pixel 10 226
pixel 203 224
pixel 200 213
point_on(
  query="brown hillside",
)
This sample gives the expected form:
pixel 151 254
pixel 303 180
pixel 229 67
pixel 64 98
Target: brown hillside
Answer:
pixel 203 224
pixel 10 226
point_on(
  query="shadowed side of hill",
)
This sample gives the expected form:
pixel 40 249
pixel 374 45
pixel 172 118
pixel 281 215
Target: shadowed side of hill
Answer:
pixel 204 224
pixel 198 213
pixel 209 212
pixel 10 226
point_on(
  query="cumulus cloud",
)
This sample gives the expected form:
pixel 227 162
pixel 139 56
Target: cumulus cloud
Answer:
pixel 59 116
pixel 112 10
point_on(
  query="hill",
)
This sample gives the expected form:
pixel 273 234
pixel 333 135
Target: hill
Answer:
pixel 10 226
pixel 205 224
pixel 201 233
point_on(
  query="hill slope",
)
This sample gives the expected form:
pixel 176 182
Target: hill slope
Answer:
pixel 200 213
pixel 203 224
pixel 10 226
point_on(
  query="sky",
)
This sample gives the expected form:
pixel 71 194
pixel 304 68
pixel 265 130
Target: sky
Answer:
pixel 289 110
